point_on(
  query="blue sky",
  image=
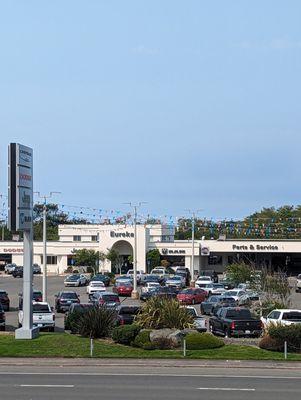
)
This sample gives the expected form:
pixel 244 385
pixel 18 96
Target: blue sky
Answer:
pixel 184 105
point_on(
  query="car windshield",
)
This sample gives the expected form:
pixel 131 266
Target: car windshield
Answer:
pixel 72 278
pixel 97 283
pixel 204 278
pixel 98 278
pixel 191 311
pixel 40 308
pixel 3 294
pixel 213 299
pixel 238 314
pixel 69 295
pixel 111 297
pixel 175 278
pixel 188 291
pixel 232 293
pixel 292 316
pixel 218 286
pixel 129 310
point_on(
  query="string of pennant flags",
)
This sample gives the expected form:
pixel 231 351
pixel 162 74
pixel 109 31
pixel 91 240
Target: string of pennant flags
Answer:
pixel 262 227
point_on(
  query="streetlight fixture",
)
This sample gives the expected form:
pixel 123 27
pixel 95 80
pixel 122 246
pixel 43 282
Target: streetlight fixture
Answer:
pixel 45 197
pixel 135 294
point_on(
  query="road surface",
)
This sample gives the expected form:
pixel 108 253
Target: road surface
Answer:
pixel 148 379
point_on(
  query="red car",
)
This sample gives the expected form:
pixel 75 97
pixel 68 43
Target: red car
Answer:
pixel 192 296
pixel 123 289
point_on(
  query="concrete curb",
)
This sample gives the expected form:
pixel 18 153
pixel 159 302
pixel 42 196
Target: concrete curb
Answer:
pixel 109 362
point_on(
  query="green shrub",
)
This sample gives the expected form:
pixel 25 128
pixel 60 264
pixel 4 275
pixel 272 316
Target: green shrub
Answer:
pixel 268 343
pixel 163 343
pixel 202 341
pixel 125 334
pixel 71 321
pixel 158 313
pixel 142 340
pixel 98 322
pixel 290 334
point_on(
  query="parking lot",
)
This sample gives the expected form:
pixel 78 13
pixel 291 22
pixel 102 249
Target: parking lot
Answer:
pixel 13 286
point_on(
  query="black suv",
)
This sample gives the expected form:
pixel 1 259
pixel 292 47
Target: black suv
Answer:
pixel 63 300
pixel 18 272
pixel 2 318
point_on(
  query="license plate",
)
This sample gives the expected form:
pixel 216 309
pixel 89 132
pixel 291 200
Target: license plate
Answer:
pixel 247 332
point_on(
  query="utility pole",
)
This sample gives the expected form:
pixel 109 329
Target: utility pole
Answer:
pixel 45 197
pixel 193 214
pixel 3 221
pixel 135 294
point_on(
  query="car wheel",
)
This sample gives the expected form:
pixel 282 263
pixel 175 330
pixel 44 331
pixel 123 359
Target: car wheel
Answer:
pixel 227 333
pixel 51 329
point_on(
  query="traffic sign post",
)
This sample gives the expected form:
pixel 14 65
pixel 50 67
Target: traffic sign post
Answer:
pixel 20 218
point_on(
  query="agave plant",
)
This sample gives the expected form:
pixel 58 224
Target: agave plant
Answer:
pixel 160 313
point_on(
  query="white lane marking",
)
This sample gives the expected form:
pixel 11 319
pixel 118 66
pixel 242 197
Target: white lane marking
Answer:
pixel 48 386
pixel 152 374
pixel 227 389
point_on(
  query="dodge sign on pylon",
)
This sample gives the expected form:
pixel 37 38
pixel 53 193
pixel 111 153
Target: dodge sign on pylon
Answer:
pixel 20 187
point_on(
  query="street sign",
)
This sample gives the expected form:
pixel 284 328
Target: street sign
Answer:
pixel 20 187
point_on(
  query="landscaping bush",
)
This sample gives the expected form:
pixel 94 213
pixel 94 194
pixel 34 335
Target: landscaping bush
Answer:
pixel 291 334
pixel 160 313
pixel 268 343
pixel 142 340
pixel 125 334
pixel 163 343
pixel 98 322
pixel 71 321
pixel 202 341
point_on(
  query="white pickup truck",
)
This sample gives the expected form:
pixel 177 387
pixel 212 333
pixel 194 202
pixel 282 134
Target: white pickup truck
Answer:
pixel 282 317
pixel 43 316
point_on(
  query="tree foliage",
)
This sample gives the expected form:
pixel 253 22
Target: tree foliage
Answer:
pixel 86 257
pixel 152 259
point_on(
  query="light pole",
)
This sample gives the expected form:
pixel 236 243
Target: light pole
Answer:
pixel 193 213
pixel 135 294
pixel 45 197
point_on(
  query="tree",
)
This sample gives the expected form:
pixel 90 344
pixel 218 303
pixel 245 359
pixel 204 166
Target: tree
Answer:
pixel 153 259
pixel 87 258
pixel 115 258
pixel 240 273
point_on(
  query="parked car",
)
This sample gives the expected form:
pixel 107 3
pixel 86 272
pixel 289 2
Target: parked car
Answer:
pixel 96 286
pixel 227 283
pixel 36 269
pixel 107 299
pixel 175 281
pixel 207 305
pixel 235 293
pixel 149 286
pixel 248 298
pixel 224 301
pixel 8 269
pixel 202 281
pixel 123 288
pixel 37 297
pixel 191 296
pixel 76 280
pixel 153 291
pixel 298 286
pixel 152 278
pixel 235 321
pixel 126 314
pixel 168 292
pixel 124 278
pixel 185 274
pixel 140 275
pixel 199 322
pixel 101 278
pixel 2 318
pixel 4 300
pixel 17 272
pixel 214 288
pixel 42 316
pixel 64 299
pixel 282 317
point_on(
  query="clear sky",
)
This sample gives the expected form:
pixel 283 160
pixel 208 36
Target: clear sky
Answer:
pixel 182 104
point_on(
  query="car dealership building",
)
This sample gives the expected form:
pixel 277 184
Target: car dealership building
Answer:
pixel 208 254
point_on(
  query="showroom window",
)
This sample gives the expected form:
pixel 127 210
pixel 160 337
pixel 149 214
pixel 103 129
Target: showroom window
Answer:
pixel 77 238
pixel 51 260
pixel 94 238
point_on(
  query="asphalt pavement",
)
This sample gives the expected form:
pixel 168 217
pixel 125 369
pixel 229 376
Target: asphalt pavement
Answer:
pixel 147 379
